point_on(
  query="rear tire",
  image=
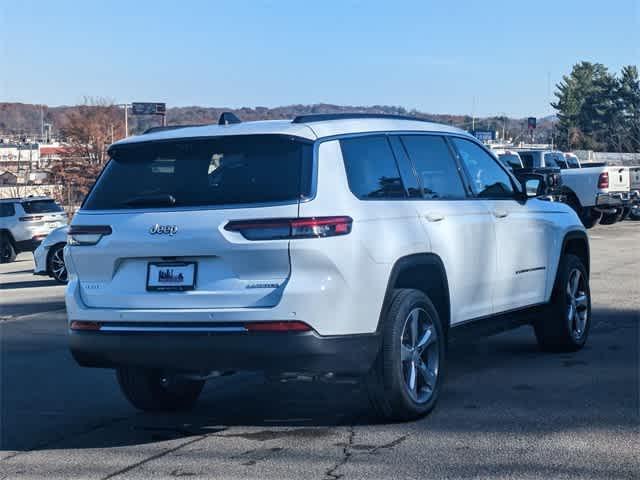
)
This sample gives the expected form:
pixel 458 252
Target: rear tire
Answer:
pixel 564 325
pixel 626 211
pixel 407 376
pixel 156 391
pixel 611 218
pixel 587 215
pixel 7 252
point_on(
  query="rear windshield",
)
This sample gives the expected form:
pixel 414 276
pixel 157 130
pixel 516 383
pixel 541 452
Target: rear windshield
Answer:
pixel 230 170
pixel 511 160
pixel 527 159
pixel 41 206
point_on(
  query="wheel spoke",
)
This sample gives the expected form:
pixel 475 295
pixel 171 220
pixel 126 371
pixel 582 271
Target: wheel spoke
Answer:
pixel 575 282
pixel 413 325
pixel 427 339
pixel 413 380
pixel 581 301
pixel 427 375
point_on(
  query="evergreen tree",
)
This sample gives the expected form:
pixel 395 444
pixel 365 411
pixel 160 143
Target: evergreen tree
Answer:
pixel 629 108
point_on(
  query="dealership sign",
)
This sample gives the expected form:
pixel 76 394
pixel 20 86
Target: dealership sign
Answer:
pixel 148 108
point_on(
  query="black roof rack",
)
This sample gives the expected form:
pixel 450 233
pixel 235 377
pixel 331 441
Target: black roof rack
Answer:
pixel 171 127
pixel 322 117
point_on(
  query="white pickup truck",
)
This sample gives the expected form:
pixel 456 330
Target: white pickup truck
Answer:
pixel 598 193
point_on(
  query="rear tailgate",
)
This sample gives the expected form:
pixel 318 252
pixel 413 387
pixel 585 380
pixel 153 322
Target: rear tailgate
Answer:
pixel 164 206
pixel 618 179
pixel 634 178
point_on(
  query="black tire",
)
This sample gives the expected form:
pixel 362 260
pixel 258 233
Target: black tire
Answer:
pixel 388 383
pixel 626 211
pixel 588 216
pixel 634 214
pixel 562 327
pixel 156 391
pixel 55 264
pixel 611 218
pixel 7 251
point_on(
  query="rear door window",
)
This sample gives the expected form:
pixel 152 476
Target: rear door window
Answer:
pixel 234 170
pixel 372 171
pixel 550 160
pixel 527 159
pixel 435 166
pixel 41 206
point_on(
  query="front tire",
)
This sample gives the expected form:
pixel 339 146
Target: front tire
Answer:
pixel 565 324
pixel 406 378
pixel 156 391
pixel 55 264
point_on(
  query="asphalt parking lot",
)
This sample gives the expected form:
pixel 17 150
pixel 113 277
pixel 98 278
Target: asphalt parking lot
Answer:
pixel 507 410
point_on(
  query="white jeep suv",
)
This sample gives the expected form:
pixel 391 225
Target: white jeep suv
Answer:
pixel 327 246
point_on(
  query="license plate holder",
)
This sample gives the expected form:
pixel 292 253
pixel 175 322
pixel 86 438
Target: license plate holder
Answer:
pixel 171 276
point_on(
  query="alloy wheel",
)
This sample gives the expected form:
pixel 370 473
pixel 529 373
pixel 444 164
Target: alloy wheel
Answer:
pixel 419 355
pixel 578 302
pixel 58 268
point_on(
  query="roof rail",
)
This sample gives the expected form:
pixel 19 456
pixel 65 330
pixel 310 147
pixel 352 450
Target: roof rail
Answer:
pixel 322 117
pixel 227 118
pixel 171 127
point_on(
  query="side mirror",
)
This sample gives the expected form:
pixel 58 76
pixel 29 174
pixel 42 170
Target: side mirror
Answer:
pixel 532 187
pixel 533 184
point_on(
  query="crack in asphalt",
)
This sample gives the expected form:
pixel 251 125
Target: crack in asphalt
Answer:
pixel 346 455
pixel 160 454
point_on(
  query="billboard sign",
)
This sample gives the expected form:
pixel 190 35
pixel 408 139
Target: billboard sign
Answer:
pixel 148 108
pixel 484 135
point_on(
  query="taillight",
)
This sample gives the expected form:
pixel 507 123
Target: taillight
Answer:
pixel 603 180
pixel 31 218
pixel 87 234
pixel 293 326
pixel 283 228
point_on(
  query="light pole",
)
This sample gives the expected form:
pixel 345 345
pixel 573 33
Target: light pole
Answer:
pixel 125 107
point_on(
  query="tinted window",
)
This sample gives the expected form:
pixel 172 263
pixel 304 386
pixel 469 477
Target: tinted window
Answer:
pixel 572 161
pixel 41 206
pixel 7 210
pixel 407 173
pixel 222 171
pixel 488 179
pixel 371 167
pixel 527 159
pixel 550 160
pixel 511 160
pixel 435 166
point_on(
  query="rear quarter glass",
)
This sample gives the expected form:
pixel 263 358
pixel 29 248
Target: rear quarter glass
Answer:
pixel 232 170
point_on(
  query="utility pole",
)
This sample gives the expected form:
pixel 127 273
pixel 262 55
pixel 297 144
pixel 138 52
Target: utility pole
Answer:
pixel 473 114
pixel 125 107
pixel 41 122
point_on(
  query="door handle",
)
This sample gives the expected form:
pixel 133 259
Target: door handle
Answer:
pixel 434 217
pixel 500 213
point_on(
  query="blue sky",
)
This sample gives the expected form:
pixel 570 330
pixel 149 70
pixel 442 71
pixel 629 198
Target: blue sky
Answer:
pixel 435 56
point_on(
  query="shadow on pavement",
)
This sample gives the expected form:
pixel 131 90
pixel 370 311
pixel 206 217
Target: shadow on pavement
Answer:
pixel 499 384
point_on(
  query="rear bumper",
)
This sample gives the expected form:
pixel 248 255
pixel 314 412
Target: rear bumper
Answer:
pixel 613 199
pixel 295 352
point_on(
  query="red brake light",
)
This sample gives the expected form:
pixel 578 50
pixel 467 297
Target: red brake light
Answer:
pixel 87 234
pixel 603 180
pixel 294 326
pixel 283 228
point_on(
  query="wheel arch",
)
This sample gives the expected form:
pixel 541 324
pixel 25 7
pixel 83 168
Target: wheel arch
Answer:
pixel 424 272
pixel 576 243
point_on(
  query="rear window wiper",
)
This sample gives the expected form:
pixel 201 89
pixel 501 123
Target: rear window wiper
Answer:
pixel 151 200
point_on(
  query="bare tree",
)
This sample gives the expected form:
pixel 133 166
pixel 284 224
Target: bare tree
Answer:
pixel 87 131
